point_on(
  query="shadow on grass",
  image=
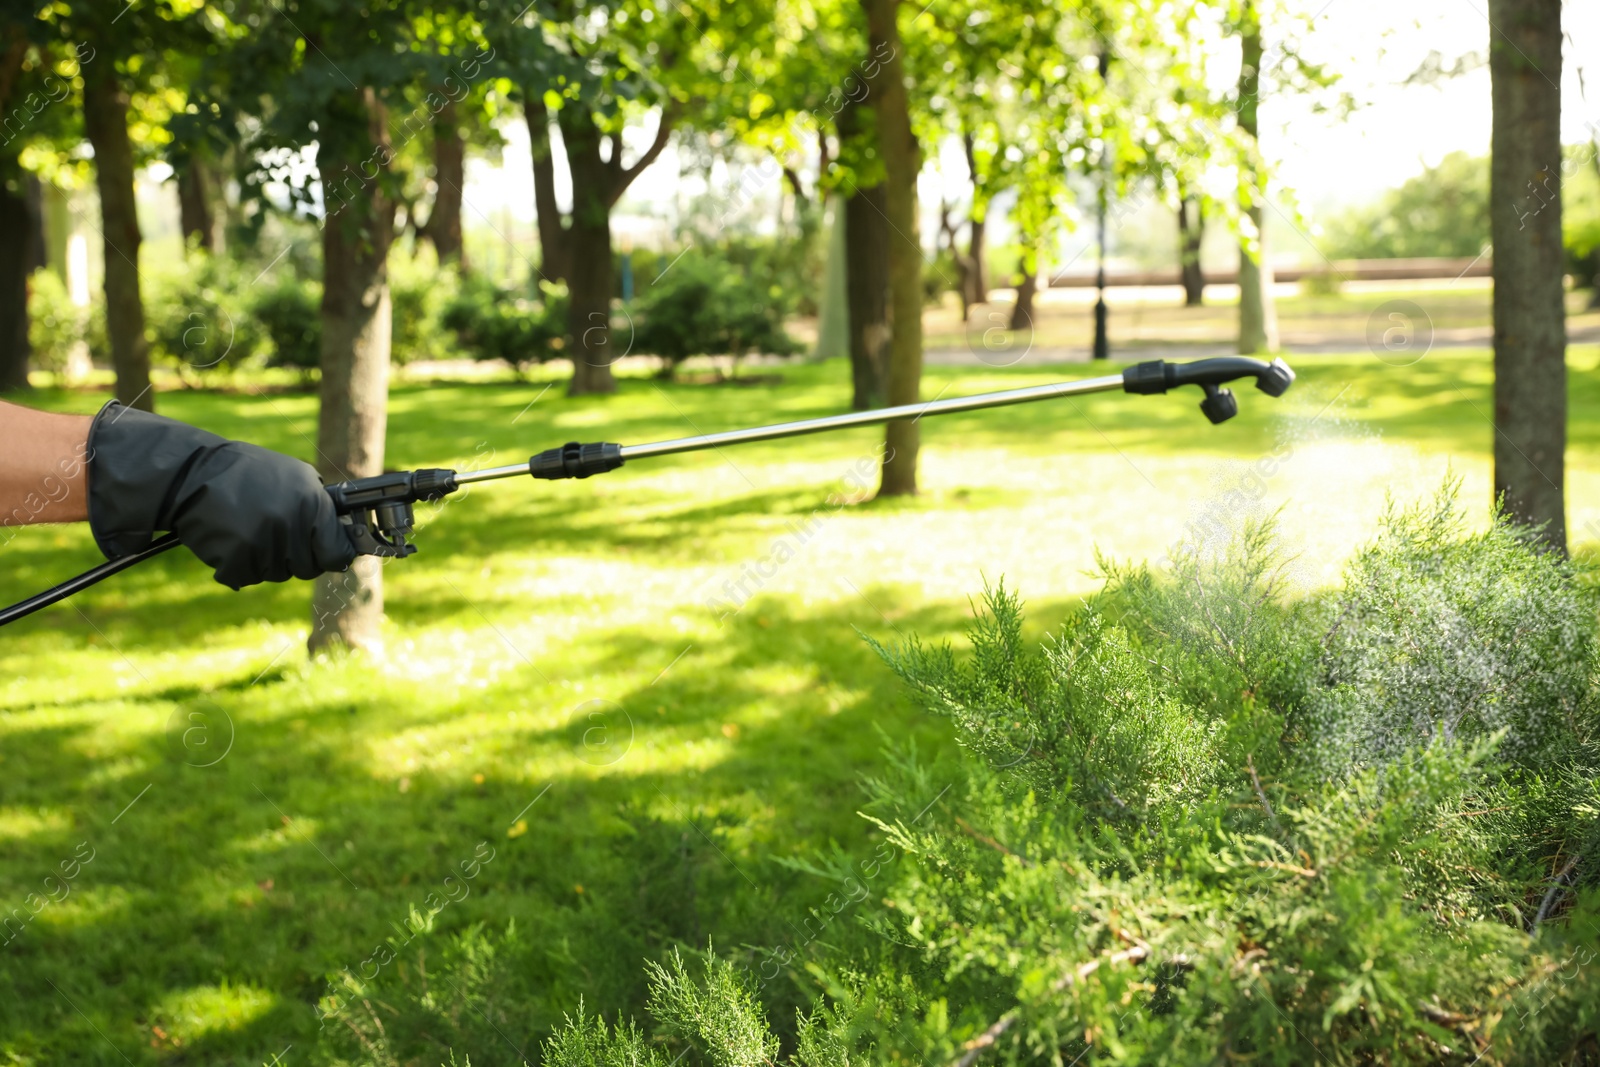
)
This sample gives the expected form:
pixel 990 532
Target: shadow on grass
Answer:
pixel 192 606
pixel 298 853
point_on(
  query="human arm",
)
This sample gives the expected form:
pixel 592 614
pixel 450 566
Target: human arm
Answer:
pixel 43 466
pixel 251 514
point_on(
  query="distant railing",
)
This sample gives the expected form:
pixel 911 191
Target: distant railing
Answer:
pixel 1342 269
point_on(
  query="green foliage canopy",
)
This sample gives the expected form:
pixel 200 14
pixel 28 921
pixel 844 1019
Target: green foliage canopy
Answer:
pixel 1444 211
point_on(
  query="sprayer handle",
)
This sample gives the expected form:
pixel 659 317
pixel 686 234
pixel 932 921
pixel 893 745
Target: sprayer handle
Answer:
pixel 377 511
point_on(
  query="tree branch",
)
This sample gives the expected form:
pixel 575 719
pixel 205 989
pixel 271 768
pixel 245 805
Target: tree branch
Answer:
pixel 974 1048
pixel 1554 893
pixel 795 185
pixel 1255 780
pixel 978 835
pixel 626 175
pixel 614 140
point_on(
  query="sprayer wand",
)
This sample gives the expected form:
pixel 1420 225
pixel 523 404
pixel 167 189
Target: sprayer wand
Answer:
pixel 379 510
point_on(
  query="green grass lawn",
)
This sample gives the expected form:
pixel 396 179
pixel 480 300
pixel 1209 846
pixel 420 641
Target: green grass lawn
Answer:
pixel 564 678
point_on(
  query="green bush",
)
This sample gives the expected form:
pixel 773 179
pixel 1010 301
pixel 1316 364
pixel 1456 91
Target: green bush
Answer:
pixel 1321 283
pixel 197 321
pixel 1580 216
pixel 702 306
pixel 208 316
pixel 940 275
pixel 1441 634
pixel 419 291
pixel 1150 853
pixel 788 267
pixel 289 313
pixel 1582 246
pixel 491 323
pixel 1444 211
pixel 55 324
pixel 1210 825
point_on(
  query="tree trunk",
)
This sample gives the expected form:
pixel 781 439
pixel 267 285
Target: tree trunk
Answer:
pixel 16 230
pixel 554 261
pixel 449 177
pixel 1258 315
pixel 976 269
pixel 105 120
pixel 589 277
pixel 195 215
pixel 901 160
pixel 347 609
pixel 977 252
pixel 1190 235
pixel 866 237
pixel 1027 287
pixel 866 244
pixel 1530 373
pixel 833 312
pixel 16 234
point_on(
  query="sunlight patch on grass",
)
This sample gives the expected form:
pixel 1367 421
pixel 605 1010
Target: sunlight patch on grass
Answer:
pixel 18 824
pixel 200 1010
pixel 90 907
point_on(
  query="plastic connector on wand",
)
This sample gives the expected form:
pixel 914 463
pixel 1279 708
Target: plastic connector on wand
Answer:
pixel 574 460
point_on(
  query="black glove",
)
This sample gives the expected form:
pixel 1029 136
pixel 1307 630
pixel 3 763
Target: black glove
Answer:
pixel 250 514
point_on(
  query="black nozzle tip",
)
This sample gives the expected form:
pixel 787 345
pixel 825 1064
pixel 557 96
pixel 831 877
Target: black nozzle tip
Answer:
pixel 1220 405
pixel 1276 379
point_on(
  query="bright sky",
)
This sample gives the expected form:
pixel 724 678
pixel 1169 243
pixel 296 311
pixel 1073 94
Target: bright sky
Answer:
pixel 1325 160
pixel 1376 44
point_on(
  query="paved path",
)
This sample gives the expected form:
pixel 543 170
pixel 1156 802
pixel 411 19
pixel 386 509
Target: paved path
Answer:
pixel 1474 337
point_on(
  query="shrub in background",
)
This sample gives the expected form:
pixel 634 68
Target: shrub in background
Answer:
pixel 940 276
pixel 1580 216
pixel 1321 283
pixel 703 306
pixel 788 267
pixel 55 324
pixel 493 323
pixel 289 313
pixel 199 321
pixel 420 290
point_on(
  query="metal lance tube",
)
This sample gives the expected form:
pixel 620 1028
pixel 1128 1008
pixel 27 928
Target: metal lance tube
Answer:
pixel 776 431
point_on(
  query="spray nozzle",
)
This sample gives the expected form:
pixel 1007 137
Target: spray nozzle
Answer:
pixel 1220 405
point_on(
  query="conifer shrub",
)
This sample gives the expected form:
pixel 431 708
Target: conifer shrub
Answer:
pixel 1440 633
pixel 1208 824
pixel 1204 823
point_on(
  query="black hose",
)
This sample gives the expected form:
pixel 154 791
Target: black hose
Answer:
pixel 85 580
